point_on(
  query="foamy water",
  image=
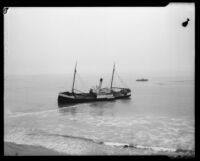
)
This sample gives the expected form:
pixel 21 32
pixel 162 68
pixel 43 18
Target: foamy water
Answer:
pixel 157 117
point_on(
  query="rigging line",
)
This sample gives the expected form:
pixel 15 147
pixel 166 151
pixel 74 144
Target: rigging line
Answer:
pixel 76 83
pixel 81 80
pixel 80 91
pixel 121 80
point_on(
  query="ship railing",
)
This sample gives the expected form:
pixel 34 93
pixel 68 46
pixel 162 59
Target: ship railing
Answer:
pixel 119 88
pixel 81 92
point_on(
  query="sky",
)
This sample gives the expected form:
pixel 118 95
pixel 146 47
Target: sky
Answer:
pixel 140 40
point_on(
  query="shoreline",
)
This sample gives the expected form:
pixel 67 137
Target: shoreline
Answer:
pixel 13 149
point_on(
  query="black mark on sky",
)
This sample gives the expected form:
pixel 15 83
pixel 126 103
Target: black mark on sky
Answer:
pixel 184 24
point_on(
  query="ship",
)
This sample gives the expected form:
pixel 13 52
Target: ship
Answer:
pixel 144 80
pixel 95 94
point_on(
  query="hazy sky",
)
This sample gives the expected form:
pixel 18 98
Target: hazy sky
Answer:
pixel 148 40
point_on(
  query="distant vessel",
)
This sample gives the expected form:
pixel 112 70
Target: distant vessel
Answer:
pixel 94 94
pixel 142 79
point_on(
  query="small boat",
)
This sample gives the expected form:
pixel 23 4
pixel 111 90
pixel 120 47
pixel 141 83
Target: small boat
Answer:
pixel 142 80
pixel 95 94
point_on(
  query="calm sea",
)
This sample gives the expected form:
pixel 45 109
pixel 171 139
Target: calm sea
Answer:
pixel 159 114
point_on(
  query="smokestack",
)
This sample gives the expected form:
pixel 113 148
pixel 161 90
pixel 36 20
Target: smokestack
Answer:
pixel 100 83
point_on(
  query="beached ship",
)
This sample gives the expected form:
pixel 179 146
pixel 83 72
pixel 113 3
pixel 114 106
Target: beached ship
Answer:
pixel 95 94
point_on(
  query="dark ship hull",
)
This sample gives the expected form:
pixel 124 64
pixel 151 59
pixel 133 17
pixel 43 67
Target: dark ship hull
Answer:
pixel 66 100
pixel 69 98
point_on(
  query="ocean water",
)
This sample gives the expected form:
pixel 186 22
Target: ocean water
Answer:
pixel 159 115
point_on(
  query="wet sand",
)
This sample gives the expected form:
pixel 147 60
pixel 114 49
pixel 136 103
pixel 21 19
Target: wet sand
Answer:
pixel 12 149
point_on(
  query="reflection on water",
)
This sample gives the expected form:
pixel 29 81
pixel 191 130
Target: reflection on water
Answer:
pixel 126 101
pixel 100 104
pixel 105 108
pixel 101 108
pixel 68 109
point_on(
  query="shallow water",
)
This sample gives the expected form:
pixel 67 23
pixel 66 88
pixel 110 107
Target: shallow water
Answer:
pixel 160 114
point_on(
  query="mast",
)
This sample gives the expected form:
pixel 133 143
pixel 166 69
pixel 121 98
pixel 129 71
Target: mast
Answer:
pixel 112 76
pixel 74 79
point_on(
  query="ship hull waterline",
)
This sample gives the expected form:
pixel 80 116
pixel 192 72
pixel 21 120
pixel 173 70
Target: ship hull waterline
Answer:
pixel 64 100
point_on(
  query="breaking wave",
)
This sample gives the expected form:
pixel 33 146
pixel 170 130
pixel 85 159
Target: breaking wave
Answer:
pixel 117 144
pixel 19 114
pixel 61 142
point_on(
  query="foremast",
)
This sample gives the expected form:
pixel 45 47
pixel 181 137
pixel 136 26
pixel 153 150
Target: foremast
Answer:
pixel 112 77
pixel 74 78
